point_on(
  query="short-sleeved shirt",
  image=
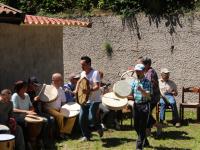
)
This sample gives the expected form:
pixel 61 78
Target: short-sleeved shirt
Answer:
pixel 69 96
pixel 19 103
pixel 6 111
pixel 58 102
pixel 93 77
pixel 167 87
pixel 146 85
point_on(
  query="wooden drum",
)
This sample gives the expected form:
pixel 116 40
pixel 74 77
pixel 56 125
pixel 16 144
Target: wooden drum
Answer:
pixel 7 142
pixel 71 109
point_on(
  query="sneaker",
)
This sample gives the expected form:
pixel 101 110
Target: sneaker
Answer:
pixel 159 129
pixel 84 139
pixel 177 124
pixel 103 127
pixel 100 132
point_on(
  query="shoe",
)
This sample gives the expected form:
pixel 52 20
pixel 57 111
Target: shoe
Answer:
pixel 100 132
pixel 177 124
pixel 84 139
pixel 103 127
pixel 159 129
pixel 148 132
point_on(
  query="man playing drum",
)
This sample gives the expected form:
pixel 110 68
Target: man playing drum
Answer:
pixel 53 108
pixel 141 90
pixel 6 118
pixel 88 112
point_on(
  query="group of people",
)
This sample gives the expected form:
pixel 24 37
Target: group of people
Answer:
pixel 147 92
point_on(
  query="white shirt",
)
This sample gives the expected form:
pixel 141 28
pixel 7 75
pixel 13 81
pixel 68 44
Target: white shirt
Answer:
pixel 167 86
pixel 57 103
pixel 93 77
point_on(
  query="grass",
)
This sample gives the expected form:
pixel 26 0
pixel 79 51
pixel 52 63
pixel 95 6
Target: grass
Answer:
pixel 187 137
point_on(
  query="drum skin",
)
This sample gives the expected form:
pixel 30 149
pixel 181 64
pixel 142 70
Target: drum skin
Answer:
pixel 113 102
pixel 71 109
pixel 48 93
pixel 83 84
pixel 4 129
pixel 122 88
pixel 7 142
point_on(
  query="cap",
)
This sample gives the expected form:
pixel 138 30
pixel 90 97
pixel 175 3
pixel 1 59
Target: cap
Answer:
pixel 139 67
pixel 33 80
pixel 165 70
pixel 74 76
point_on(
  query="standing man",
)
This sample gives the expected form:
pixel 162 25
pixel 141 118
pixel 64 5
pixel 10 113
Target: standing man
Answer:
pixel 152 76
pixel 87 116
pixel 141 91
pixel 6 118
pixel 168 90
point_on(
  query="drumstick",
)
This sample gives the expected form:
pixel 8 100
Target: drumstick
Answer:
pixel 43 86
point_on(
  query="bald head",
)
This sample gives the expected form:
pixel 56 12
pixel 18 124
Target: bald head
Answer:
pixel 6 94
pixel 57 80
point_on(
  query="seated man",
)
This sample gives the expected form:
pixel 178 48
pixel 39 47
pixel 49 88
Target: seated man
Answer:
pixel 53 108
pixel 6 118
pixel 70 86
pixel 168 90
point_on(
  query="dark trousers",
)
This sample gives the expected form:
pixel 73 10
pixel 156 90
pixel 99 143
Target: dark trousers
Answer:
pixel 142 112
pixel 151 120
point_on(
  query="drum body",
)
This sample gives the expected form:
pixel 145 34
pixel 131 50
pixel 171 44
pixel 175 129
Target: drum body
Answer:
pixel 48 93
pixel 113 102
pixel 4 129
pixel 34 126
pixel 7 142
pixel 122 88
pixel 71 109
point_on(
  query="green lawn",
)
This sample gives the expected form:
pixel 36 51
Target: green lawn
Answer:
pixel 187 137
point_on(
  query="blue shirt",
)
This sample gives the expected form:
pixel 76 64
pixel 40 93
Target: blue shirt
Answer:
pixel 20 103
pixel 69 95
pixel 146 85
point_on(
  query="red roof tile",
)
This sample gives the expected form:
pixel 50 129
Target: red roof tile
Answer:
pixel 40 20
pixel 4 9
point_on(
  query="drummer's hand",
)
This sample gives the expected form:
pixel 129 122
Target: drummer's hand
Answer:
pixel 140 89
pixel 31 112
pixel 86 91
pixel 37 98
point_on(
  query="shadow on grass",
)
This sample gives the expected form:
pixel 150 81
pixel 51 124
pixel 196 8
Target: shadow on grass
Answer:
pixel 169 148
pixel 176 135
pixel 113 142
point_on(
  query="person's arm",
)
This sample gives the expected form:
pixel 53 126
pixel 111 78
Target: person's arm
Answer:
pixel 96 82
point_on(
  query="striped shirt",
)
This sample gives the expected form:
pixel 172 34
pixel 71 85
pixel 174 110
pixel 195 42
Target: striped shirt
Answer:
pixel 146 85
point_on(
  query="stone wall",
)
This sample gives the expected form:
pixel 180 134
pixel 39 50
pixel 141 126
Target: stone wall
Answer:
pixel 29 50
pixel 179 52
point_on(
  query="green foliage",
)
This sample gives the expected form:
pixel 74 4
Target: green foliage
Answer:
pixel 108 48
pixel 125 8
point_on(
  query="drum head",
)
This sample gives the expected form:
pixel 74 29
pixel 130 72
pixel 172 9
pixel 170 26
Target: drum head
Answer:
pixel 113 102
pixel 128 74
pixel 6 137
pixel 82 98
pixel 122 88
pixel 70 109
pixel 33 119
pixel 3 128
pixel 48 93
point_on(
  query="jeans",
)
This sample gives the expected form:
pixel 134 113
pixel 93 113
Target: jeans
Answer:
pixel 87 117
pixel 172 103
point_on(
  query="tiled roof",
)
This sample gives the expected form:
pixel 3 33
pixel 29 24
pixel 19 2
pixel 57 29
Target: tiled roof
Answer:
pixel 10 15
pixel 40 20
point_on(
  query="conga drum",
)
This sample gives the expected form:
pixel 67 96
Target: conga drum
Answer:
pixel 47 93
pixel 34 126
pixel 7 142
pixel 122 88
pixel 83 84
pixel 114 102
pixel 4 129
pixel 70 111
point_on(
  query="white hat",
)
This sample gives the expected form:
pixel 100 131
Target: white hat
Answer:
pixel 139 67
pixel 165 70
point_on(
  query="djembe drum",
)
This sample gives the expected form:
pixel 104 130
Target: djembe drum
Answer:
pixel 4 129
pixel 7 142
pixel 34 126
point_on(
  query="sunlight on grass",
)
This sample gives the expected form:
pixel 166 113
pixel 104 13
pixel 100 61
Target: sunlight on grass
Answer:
pixel 187 137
